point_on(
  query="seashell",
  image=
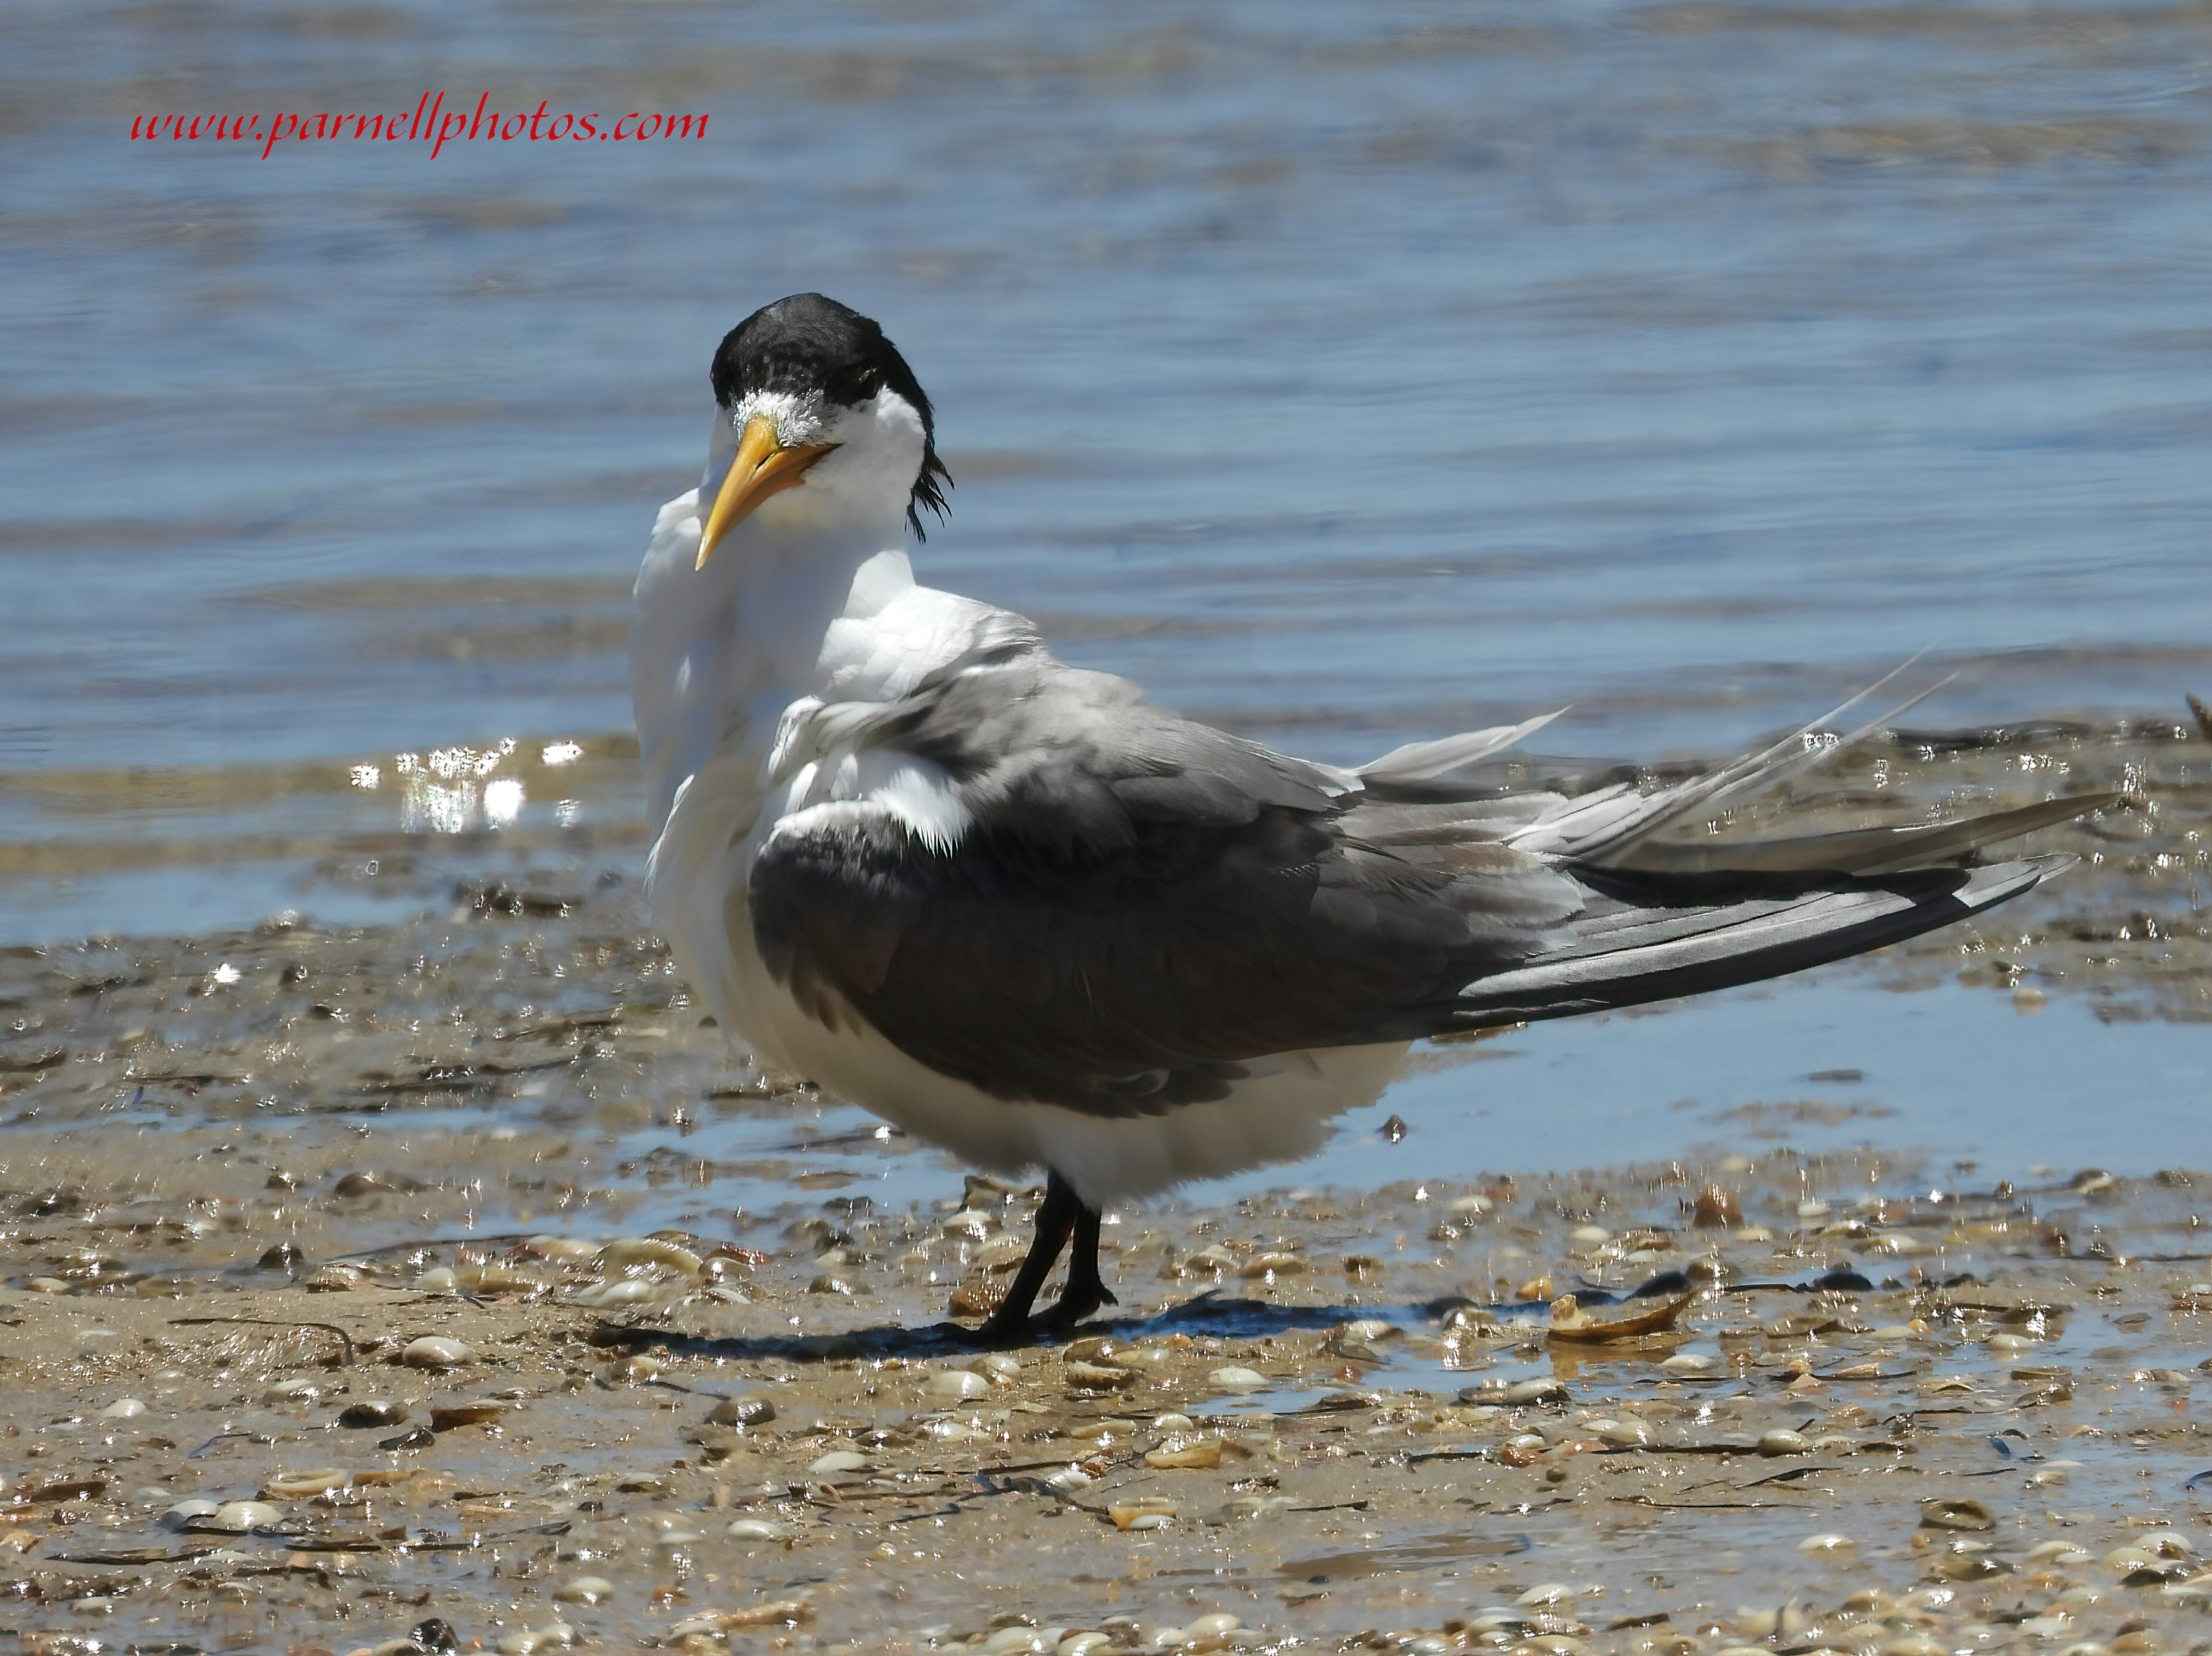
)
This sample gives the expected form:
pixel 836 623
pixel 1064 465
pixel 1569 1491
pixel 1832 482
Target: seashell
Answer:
pixel 564 1250
pixel 439 1279
pixel 369 1413
pixel 633 1253
pixel 586 1590
pixel 338 1277
pixel 957 1384
pixel 241 1517
pixel 1625 1434
pixel 1524 1394
pixel 997 1365
pixel 366 1183
pixel 616 1291
pixel 558 1636
pixel 123 1409
pixel 1273 1263
pixel 741 1411
pixel 1826 1543
pixel 435 1352
pixel 496 1278
pixel 1149 1513
pixel 839 1460
pixel 1196 1454
pixel 444 1417
pixel 1784 1441
pixel 1955 1513
pixel 1551 1595
pixel 286 1392
pixel 1017 1641
pixel 756 1529
pixel 1094 1377
pixel 190 1513
pixel 1236 1379
pixel 1209 1625
pixel 299 1486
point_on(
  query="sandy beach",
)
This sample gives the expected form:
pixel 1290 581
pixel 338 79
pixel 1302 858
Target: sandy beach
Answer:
pixel 362 1293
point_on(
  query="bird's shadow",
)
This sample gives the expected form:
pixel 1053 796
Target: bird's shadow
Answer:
pixel 1211 1315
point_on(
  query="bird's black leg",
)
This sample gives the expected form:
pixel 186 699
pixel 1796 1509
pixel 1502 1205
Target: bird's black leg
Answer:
pixel 1085 1292
pixel 1059 1215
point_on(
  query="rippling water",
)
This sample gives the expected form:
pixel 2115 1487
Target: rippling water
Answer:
pixel 1349 374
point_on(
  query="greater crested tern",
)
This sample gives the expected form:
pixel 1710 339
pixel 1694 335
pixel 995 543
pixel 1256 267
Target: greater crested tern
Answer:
pixel 1023 914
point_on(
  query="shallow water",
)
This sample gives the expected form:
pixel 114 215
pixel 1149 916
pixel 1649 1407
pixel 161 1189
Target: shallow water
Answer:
pixel 1350 376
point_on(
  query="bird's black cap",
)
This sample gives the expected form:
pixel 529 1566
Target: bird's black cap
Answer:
pixel 810 344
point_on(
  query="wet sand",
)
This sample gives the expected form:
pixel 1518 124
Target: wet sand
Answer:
pixel 433 1178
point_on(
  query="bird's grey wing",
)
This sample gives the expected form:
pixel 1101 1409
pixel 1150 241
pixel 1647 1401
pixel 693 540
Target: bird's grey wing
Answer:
pixel 1139 903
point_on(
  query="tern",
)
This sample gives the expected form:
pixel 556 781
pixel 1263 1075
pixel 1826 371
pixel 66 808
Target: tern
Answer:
pixel 1019 910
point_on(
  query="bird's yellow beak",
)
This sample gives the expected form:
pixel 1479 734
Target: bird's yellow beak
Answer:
pixel 763 467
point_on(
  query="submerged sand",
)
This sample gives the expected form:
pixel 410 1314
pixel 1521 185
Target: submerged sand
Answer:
pixel 360 1289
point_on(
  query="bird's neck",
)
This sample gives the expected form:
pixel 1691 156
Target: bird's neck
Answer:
pixel 722 652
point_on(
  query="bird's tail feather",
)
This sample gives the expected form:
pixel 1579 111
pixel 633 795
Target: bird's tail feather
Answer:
pixel 1628 957
pixel 1603 828
pixel 1857 851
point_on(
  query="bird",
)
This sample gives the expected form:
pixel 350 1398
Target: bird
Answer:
pixel 1023 914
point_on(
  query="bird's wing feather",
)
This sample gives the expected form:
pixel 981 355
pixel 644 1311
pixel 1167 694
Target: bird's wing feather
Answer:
pixel 1138 904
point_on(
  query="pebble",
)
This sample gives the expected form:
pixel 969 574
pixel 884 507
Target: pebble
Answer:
pixel 435 1352
pixel 1234 1379
pixel 1625 1434
pixel 1784 1441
